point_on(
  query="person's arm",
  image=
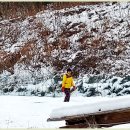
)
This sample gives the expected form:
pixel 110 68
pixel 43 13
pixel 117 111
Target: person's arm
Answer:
pixel 73 84
pixel 63 82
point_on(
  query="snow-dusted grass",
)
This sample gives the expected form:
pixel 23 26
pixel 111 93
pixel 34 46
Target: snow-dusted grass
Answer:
pixel 32 112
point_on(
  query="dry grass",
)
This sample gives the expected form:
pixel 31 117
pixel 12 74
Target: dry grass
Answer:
pixel 9 61
pixel 14 10
pixel 61 5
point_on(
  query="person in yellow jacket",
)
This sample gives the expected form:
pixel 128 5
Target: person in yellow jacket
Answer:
pixel 67 84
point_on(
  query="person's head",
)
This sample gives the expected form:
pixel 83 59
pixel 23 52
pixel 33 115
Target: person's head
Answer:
pixel 69 71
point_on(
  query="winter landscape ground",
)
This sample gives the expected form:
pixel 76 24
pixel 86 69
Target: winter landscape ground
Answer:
pixel 39 41
pixel 33 112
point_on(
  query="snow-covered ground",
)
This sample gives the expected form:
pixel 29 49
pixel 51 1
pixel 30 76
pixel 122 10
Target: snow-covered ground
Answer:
pixel 109 104
pixel 32 112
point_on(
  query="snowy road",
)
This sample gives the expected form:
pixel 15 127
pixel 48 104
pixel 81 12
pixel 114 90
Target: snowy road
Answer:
pixel 32 112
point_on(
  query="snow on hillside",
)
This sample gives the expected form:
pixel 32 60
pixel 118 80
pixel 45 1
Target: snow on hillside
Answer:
pixel 91 39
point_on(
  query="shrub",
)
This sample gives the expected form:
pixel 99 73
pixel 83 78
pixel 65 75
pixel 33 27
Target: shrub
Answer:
pixel 94 79
pixel 125 79
pixel 92 92
pixel 21 90
pixel 33 92
pixel 42 93
pixel 5 90
pixel 108 87
pixel 126 86
pixel 11 89
pixel 118 90
pixel 126 92
pixel 50 89
pixel 114 80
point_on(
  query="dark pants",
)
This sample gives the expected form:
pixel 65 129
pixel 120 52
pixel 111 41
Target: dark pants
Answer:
pixel 67 92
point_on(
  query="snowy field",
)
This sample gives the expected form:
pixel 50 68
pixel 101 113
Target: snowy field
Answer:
pixel 32 112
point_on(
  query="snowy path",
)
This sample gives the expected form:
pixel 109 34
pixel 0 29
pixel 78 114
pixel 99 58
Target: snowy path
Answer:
pixel 32 112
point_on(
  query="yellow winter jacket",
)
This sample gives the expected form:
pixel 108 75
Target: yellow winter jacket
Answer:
pixel 67 81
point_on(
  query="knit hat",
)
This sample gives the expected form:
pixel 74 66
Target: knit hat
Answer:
pixel 69 70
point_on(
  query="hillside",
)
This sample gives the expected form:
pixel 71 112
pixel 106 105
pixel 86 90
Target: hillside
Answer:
pixel 92 39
